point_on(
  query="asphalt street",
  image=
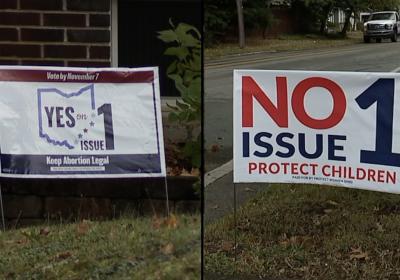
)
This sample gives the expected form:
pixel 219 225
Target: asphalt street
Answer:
pixel 374 57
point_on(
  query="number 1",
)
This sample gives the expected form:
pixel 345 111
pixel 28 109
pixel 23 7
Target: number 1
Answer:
pixel 381 92
pixel 108 125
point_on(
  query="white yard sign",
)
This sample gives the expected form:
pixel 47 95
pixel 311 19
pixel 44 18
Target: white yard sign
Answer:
pixel 78 122
pixel 335 128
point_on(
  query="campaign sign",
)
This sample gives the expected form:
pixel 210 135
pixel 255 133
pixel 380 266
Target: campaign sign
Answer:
pixel 80 122
pixel 335 128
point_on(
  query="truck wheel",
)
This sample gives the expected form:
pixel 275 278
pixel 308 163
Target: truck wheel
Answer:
pixel 367 39
pixel 394 37
pixel 379 40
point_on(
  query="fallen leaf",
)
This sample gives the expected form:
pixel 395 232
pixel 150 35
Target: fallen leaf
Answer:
pixel 195 172
pixel 168 249
pixel 63 255
pixel 284 243
pixel 156 222
pixel 26 233
pixel 184 172
pixel 249 190
pixel 331 202
pixel 83 227
pixel 44 231
pixel 327 211
pixel 289 241
pixel 31 235
pixel 171 221
pixel 174 171
pixel 295 240
pixel 227 246
pixel 358 254
pixel 22 241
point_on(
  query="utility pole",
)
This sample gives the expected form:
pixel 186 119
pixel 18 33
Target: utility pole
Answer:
pixel 239 7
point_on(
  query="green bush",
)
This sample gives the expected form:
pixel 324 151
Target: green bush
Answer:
pixel 184 42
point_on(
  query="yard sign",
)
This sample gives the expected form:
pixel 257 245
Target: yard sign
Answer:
pixel 79 122
pixel 334 128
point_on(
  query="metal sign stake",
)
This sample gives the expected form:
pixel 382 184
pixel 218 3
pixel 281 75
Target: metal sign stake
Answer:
pixel 235 225
pixel 166 194
pixel 2 210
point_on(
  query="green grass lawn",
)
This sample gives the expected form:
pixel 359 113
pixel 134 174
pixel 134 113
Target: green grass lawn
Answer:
pixel 282 43
pixel 125 248
pixel 309 232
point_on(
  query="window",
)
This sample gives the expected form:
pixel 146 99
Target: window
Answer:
pixel 138 23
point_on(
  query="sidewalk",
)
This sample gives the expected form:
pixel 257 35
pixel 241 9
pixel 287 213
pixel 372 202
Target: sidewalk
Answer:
pixel 219 197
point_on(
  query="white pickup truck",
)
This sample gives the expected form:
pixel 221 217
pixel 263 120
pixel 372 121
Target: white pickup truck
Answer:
pixel 382 25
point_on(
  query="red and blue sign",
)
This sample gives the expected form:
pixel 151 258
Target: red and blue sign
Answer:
pixel 335 128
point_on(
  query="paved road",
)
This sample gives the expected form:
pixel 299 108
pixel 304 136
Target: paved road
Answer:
pixel 372 57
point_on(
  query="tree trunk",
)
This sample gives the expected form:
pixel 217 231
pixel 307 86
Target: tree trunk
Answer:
pixel 322 26
pixel 327 9
pixel 239 7
pixel 346 23
pixel 356 20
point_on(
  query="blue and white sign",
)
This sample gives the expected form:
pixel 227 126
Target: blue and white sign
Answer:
pixel 78 122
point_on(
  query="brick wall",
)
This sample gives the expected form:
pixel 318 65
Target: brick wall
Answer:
pixel 55 32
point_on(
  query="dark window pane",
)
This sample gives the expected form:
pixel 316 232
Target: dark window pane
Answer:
pixel 138 23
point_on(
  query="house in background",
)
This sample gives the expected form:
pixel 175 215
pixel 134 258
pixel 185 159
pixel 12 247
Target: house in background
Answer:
pixel 283 19
pixel 338 17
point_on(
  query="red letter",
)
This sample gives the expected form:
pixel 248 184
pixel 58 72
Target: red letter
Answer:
pixel 262 168
pixel 324 170
pixel 252 166
pixel 303 171
pixel 339 103
pixel 391 177
pixel 371 175
pixel 278 113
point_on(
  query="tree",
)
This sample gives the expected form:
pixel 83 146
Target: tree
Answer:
pixel 351 8
pixel 257 14
pixel 221 15
pixel 323 9
pixel 218 16
pixel 384 5
pixel 305 14
pixel 239 8
pixel 312 15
